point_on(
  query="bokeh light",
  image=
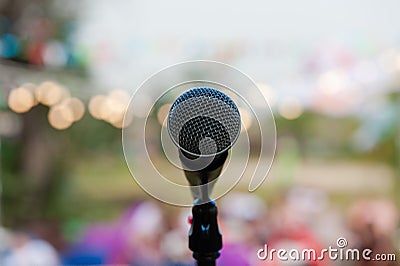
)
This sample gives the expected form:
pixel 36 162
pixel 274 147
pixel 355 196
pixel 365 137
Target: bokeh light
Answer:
pixel 290 108
pixel 246 117
pixel 76 106
pixel 32 88
pixel 332 82
pixel 268 93
pixel 50 93
pixel 60 116
pixel 162 113
pixel 110 108
pixel 21 100
pixel 95 105
pixel 397 64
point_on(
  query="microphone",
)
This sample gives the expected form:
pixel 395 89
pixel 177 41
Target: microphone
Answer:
pixel 203 123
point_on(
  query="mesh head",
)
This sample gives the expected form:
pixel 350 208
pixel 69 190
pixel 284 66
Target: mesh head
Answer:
pixel 204 121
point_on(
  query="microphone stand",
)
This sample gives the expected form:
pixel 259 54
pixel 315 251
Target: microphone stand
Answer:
pixel 205 239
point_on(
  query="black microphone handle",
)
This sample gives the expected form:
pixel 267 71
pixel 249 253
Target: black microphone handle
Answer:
pixel 204 176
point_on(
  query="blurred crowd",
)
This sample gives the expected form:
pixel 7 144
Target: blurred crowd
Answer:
pixel 150 233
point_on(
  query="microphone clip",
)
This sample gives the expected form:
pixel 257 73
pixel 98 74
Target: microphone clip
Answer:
pixel 205 239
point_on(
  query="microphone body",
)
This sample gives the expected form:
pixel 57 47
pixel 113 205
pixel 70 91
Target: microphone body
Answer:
pixel 207 174
pixel 200 181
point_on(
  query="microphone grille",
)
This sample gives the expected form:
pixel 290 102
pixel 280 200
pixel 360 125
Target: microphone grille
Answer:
pixel 204 121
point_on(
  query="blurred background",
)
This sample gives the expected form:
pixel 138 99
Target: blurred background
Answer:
pixel 330 72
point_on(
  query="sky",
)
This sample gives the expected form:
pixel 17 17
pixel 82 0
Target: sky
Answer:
pixel 271 41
